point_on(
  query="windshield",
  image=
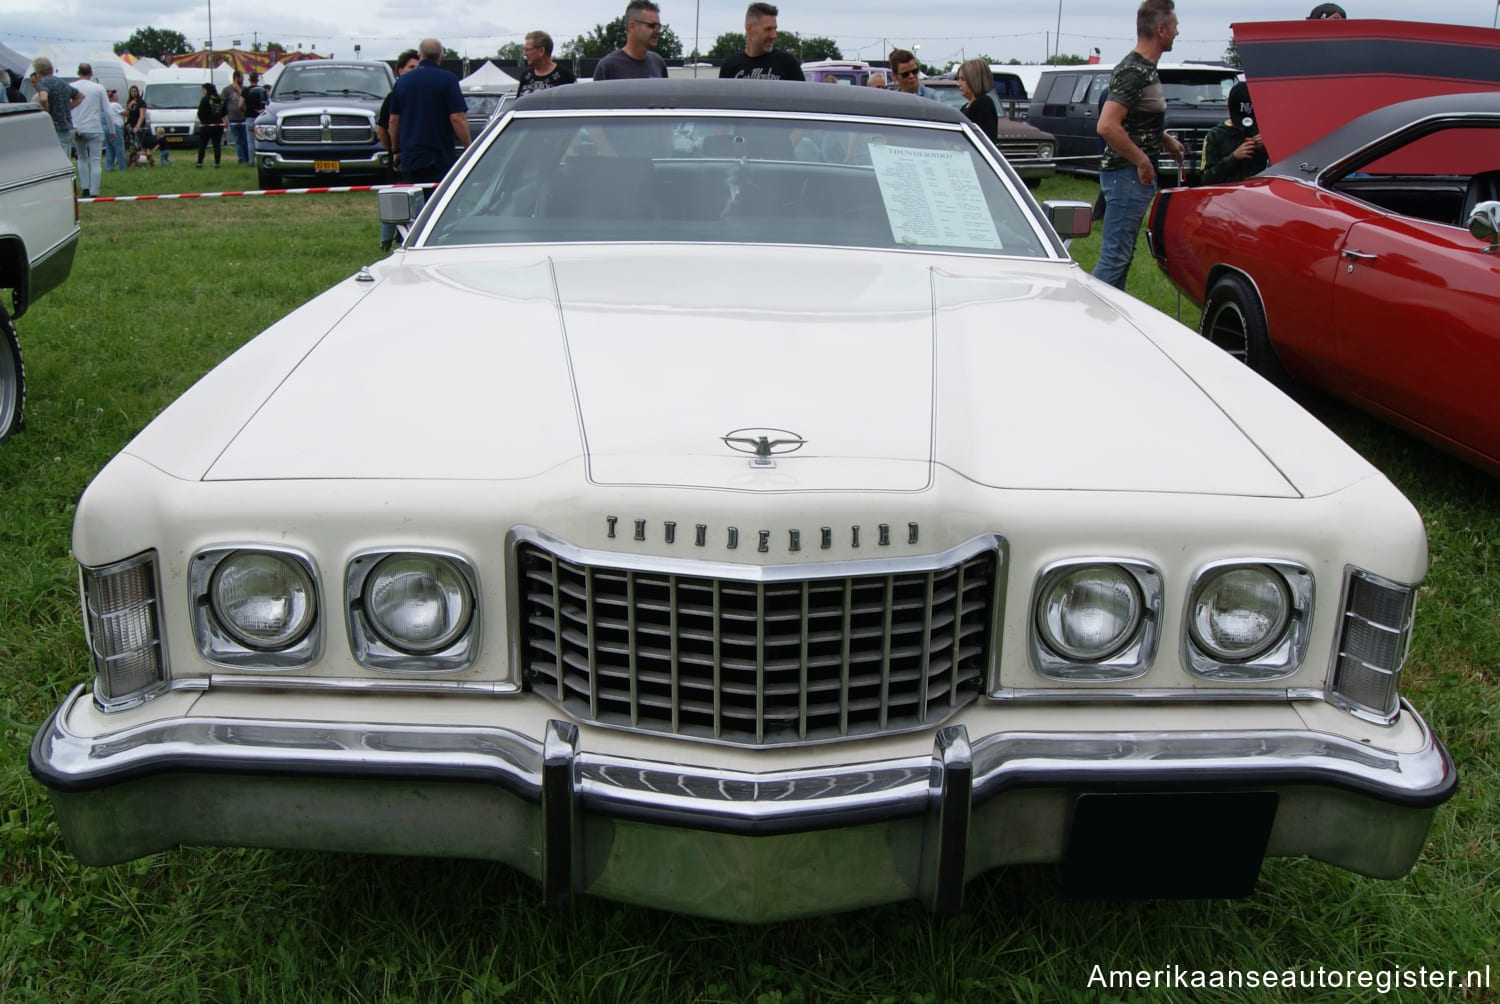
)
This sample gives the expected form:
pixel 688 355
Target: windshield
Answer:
pixel 173 95
pixel 729 179
pixel 331 81
pixel 1195 88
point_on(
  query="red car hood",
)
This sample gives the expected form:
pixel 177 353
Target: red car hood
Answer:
pixel 1307 78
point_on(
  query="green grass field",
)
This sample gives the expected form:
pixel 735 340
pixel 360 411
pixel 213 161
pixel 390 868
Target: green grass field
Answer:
pixel 163 290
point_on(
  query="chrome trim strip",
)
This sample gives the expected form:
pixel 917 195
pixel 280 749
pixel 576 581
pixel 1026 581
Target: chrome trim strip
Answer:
pixel 721 799
pixel 346 684
pixel 1093 692
pixel 697 568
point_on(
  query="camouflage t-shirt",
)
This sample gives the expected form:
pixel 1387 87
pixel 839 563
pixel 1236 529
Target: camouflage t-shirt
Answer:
pixel 1135 85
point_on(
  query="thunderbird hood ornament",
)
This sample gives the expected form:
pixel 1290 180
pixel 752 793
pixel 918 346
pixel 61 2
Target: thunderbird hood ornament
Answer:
pixel 764 444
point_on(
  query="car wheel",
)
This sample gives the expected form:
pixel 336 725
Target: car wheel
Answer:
pixel 1234 320
pixel 1033 183
pixel 12 379
pixel 265 179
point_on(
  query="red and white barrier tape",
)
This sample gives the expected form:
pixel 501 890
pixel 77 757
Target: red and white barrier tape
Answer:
pixel 262 191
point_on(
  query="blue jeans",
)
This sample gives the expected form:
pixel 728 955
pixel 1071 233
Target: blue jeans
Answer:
pixel 238 134
pixel 1125 206
pixel 89 145
pixel 65 137
pixel 114 152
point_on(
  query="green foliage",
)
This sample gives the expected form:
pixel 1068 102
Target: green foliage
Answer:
pixel 162 290
pixel 1067 59
pixel 149 41
pixel 1232 55
pixel 818 47
pixel 512 51
pixel 727 45
pixel 606 38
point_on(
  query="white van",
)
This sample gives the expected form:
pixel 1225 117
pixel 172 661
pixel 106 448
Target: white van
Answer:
pixel 172 96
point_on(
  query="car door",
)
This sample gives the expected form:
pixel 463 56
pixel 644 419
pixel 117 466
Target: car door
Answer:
pixel 1049 111
pixel 1415 314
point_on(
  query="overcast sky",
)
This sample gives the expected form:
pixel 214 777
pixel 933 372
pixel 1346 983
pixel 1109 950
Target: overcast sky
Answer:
pixel 944 29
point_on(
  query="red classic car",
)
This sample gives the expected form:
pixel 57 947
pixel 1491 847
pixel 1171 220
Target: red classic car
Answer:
pixel 1350 264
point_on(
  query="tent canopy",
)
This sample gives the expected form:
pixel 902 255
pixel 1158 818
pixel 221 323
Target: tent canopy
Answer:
pixel 488 77
pixel 13 61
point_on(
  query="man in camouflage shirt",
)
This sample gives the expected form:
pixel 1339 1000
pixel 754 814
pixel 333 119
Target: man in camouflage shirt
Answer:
pixel 1133 127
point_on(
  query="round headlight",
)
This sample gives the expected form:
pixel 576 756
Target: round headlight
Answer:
pixel 1089 613
pixel 1238 613
pixel 1044 151
pixel 418 603
pixel 265 601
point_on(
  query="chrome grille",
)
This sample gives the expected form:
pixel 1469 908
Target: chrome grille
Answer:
pixel 758 662
pixel 342 127
pixel 1019 149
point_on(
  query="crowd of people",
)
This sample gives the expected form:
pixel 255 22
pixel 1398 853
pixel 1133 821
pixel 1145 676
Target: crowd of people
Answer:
pixel 422 121
pixel 101 134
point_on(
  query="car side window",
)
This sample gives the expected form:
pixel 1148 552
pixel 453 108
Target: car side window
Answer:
pixel 1097 86
pixel 1439 174
pixel 1081 88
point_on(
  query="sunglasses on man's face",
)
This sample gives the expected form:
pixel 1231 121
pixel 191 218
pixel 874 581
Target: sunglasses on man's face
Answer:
pixel 908 73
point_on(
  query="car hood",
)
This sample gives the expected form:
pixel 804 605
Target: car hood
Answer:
pixel 472 365
pixel 1308 78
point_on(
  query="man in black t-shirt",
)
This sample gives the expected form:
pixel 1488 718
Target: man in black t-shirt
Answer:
pixel 760 61
pixel 541 72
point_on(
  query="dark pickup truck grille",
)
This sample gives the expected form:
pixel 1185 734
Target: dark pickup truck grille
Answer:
pixel 757 662
pixel 329 128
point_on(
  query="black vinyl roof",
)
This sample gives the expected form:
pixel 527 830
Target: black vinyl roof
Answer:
pixel 745 95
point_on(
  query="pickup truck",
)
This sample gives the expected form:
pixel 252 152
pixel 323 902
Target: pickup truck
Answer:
pixel 38 235
pixel 320 124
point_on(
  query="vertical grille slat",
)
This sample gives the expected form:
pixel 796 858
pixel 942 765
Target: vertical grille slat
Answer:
pixel 759 663
pixel 634 649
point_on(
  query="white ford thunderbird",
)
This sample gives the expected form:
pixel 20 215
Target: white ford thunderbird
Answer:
pixel 733 499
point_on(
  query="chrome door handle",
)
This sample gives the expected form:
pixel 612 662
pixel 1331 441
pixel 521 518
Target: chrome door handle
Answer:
pixel 1357 255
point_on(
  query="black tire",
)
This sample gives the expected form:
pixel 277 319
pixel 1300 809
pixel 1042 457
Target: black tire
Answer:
pixel 1235 321
pixel 12 379
pixel 265 179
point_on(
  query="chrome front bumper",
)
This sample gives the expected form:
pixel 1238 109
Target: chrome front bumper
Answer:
pixel 736 845
pixel 282 164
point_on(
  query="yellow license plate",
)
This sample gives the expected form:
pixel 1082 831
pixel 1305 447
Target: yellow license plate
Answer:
pixel 326 165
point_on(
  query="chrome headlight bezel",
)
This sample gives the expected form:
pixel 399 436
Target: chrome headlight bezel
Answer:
pixel 1132 657
pixel 1282 654
pixel 374 650
pixel 219 644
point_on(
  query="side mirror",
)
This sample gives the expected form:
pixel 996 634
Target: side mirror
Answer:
pixel 1484 223
pixel 399 205
pixel 1069 219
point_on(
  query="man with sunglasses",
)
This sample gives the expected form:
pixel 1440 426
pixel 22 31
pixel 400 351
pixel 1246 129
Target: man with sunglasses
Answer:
pixel 635 60
pixel 908 74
